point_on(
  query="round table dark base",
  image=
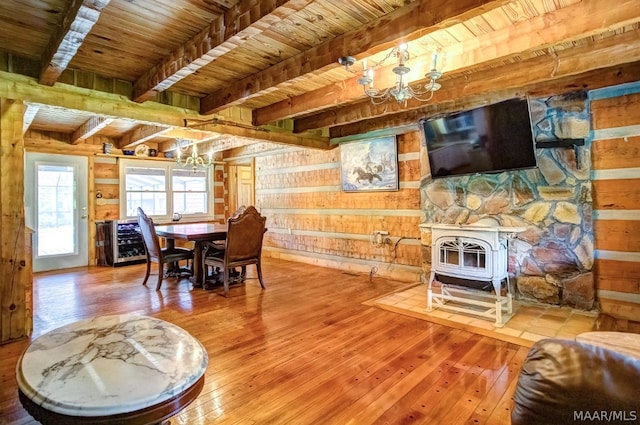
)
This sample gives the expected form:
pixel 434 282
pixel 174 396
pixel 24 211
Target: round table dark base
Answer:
pixel 156 414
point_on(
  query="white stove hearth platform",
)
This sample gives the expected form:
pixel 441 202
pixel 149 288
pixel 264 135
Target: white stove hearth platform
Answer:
pixel 470 264
pixel 530 322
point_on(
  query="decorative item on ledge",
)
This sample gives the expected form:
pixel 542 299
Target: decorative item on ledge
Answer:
pixel 402 91
pixel 142 150
pixel 194 159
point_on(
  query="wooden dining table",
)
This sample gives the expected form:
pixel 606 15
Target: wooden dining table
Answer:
pixel 196 232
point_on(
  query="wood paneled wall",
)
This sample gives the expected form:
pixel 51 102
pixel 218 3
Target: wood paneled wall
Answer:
pixel 616 203
pixel 107 184
pixel 220 193
pixel 310 219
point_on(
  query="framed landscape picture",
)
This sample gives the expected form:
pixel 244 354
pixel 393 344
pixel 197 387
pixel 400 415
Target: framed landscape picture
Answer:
pixel 369 165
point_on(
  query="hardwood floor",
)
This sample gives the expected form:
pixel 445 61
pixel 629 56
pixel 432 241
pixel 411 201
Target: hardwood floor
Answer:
pixel 306 350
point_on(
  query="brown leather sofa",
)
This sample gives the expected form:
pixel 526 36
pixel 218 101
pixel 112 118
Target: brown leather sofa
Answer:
pixel 568 382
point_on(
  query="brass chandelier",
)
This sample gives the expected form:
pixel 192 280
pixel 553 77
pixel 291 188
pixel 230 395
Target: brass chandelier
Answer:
pixel 194 160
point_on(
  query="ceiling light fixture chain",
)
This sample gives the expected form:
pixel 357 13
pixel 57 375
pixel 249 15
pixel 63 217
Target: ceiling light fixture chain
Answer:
pixel 402 91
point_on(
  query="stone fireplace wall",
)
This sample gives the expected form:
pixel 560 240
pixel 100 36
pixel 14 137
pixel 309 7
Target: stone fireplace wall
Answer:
pixel 552 260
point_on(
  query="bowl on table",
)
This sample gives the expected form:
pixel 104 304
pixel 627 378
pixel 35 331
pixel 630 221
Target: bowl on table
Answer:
pixel 128 151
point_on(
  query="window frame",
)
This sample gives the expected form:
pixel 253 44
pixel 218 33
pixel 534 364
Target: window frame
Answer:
pixel 167 166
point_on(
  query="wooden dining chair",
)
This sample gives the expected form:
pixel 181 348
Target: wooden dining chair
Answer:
pixel 160 255
pixel 211 247
pixel 242 247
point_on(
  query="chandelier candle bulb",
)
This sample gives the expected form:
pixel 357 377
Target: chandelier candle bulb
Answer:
pixel 433 61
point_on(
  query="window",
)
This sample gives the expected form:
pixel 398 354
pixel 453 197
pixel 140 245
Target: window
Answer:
pixel 146 188
pixel 189 191
pixel 162 189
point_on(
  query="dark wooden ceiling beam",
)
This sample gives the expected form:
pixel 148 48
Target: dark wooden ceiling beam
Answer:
pixel 241 22
pixel 539 77
pixel 601 53
pixel 571 23
pixel 63 46
pixel 407 23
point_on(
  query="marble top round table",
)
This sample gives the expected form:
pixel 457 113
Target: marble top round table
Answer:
pixel 111 369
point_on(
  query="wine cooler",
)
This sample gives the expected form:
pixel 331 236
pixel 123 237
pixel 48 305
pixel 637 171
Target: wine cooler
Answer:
pixel 128 246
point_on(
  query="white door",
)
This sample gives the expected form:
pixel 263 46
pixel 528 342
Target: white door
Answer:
pixel 245 185
pixel 55 206
pixel 241 187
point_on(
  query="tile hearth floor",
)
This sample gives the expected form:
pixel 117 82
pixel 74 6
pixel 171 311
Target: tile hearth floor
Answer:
pixel 529 323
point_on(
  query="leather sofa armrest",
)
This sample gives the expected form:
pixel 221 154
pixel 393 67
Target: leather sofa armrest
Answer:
pixel 568 382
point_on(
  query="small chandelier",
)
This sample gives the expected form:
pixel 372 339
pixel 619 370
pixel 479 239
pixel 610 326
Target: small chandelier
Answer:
pixel 402 91
pixel 194 159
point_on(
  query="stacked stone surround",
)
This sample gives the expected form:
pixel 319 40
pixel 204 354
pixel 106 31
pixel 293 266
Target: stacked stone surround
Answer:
pixel 551 262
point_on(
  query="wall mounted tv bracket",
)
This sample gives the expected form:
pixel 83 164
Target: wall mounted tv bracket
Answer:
pixel 563 143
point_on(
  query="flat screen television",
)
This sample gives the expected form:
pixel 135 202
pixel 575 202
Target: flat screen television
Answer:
pixel 488 139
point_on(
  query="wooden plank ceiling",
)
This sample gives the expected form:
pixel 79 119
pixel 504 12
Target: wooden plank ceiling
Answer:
pixel 268 70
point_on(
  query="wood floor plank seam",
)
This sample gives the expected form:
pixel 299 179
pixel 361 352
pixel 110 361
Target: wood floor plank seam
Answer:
pixel 309 349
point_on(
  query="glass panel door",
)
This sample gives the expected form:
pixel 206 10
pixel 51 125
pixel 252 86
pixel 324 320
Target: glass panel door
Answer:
pixel 56 208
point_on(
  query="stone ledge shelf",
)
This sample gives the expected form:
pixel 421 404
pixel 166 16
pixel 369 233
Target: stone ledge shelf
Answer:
pixel 473 226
